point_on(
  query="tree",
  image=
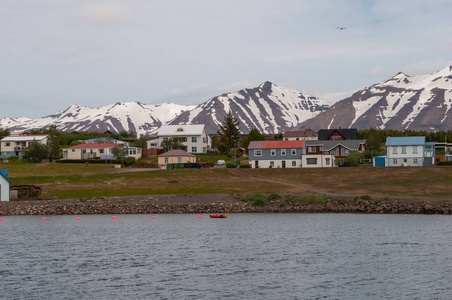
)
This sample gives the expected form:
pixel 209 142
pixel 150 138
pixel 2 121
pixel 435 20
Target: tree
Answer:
pixel 37 152
pixel 171 144
pixel 4 132
pixel 228 133
pixel 374 140
pixel 54 141
pixel 119 151
pixel 352 160
pixel 254 135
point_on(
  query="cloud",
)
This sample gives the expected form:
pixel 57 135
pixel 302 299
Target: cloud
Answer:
pixel 105 13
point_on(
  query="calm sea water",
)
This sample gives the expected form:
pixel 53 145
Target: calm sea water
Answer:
pixel 246 256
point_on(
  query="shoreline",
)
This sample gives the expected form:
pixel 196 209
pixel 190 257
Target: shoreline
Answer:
pixel 215 203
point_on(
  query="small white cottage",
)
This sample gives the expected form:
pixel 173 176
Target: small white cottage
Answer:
pixel 4 185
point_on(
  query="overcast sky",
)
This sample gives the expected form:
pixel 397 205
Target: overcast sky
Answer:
pixel 55 53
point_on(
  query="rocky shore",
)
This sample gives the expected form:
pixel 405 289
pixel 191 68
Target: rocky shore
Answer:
pixel 180 204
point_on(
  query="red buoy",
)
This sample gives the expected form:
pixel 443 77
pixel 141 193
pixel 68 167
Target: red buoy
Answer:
pixel 2 219
pixel 114 217
pixel 78 218
pixel 44 219
pixel 200 217
pixel 153 217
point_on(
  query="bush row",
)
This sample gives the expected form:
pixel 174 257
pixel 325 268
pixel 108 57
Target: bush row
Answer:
pixel 127 161
pixel 444 163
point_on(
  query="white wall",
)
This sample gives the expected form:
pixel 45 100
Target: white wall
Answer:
pixel 277 163
pixel 322 161
pixel 4 189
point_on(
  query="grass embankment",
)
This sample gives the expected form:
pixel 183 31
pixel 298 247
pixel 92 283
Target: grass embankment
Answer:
pixel 433 182
pixel 79 181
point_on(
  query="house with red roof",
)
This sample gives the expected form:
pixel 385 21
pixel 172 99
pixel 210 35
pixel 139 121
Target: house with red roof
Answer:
pixel 276 154
pixel 98 150
pixel 300 136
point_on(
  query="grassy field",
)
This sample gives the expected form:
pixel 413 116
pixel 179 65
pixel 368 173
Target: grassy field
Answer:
pixel 81 181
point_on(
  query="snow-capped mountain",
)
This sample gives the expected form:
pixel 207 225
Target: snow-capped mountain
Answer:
pixel 402 102
pixel 268 107
pixel 129 116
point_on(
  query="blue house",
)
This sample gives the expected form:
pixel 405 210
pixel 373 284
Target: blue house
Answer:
pixel 406 151
pixel 4 185
pixel 276 154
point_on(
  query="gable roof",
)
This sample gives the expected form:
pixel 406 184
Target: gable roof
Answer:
pixel 23 138
pixel 275 144
pixel 348 133
pixel 405 141
pixel 331 144
pixel 176 152
pixel 95 145
pixel 181 130
pixel 300 134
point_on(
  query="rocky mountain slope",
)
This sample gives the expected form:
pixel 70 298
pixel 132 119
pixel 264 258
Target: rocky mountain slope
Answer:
pixel 129 116
pixel 268 107
pixel 401 102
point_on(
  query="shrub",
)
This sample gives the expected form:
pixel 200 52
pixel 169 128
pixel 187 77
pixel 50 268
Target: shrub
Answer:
pixel 245 166
pixel 230 164
pixel 307 199
pixel 352 160
pixel 255 199
pixel 273 197
pixel 365 197
pixel 12 158
pixel 444 163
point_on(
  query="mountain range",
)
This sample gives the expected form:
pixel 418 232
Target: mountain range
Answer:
pixel 402 102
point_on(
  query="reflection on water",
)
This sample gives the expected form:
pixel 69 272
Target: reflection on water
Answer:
pixel 246 256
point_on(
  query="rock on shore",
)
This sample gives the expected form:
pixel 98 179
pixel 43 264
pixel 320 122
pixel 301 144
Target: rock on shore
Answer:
pixel 179 204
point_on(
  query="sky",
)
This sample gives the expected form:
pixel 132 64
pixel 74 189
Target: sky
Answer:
pixel 56 53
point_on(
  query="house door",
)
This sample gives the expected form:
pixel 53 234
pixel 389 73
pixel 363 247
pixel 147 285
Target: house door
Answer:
pixel 283 163
pixel 256 164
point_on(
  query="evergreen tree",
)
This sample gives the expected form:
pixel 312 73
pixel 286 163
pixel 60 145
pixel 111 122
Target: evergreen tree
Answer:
pixel 228 133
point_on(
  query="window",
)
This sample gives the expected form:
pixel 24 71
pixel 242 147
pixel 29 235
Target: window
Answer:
pixel 394 150
pixel 193 149
pixel 415 161
pixel 394 161
pixel 327 161
pixel 414 149
pixel 404 160
pixel 179 159
pixel 166 160
pixel 73 150
pixel 294 163
pixel 165 139
pixel 204 140
pixel 293 152
pixel 311 161
pixel 297 139
pixel 7 144
pixel 101 151
pixel 311 149
pixel 153 144
pixel 273 152
pixel 336 137
pixel 283 152
pixel 335 151
pixel 272 164
pixel 194 139
pixel 403 149
pixel 180 129
pixel 257 152
pixel 184 139
pixel 345 151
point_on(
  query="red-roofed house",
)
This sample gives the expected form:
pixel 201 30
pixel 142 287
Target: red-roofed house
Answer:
pixel 276 154
pixel 94 150
pixel 300 136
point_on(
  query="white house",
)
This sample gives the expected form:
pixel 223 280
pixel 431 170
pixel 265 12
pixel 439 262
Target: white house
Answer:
pixel 15 145
pixel 300 135
pixel 329 153
pixel 5 185
pixel 94 150
pixel 194 137
pixel 406 151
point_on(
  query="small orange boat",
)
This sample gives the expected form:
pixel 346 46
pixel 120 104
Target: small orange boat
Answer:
pixel 218 216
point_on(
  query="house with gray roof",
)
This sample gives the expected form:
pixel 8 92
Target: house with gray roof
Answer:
pixel 276 154
pixel 194 137
pixel 329 153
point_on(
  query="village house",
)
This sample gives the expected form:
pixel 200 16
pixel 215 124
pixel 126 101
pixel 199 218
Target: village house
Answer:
pixel 15 145
pixel 337 134
pixel 194 137
pixel 97 150
pixel 276 154
pixel 406 151
pixel 5 185
pixel 300 136
pixel 175 157
pixel 329 153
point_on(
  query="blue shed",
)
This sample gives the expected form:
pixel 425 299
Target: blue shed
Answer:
pixel 4 185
